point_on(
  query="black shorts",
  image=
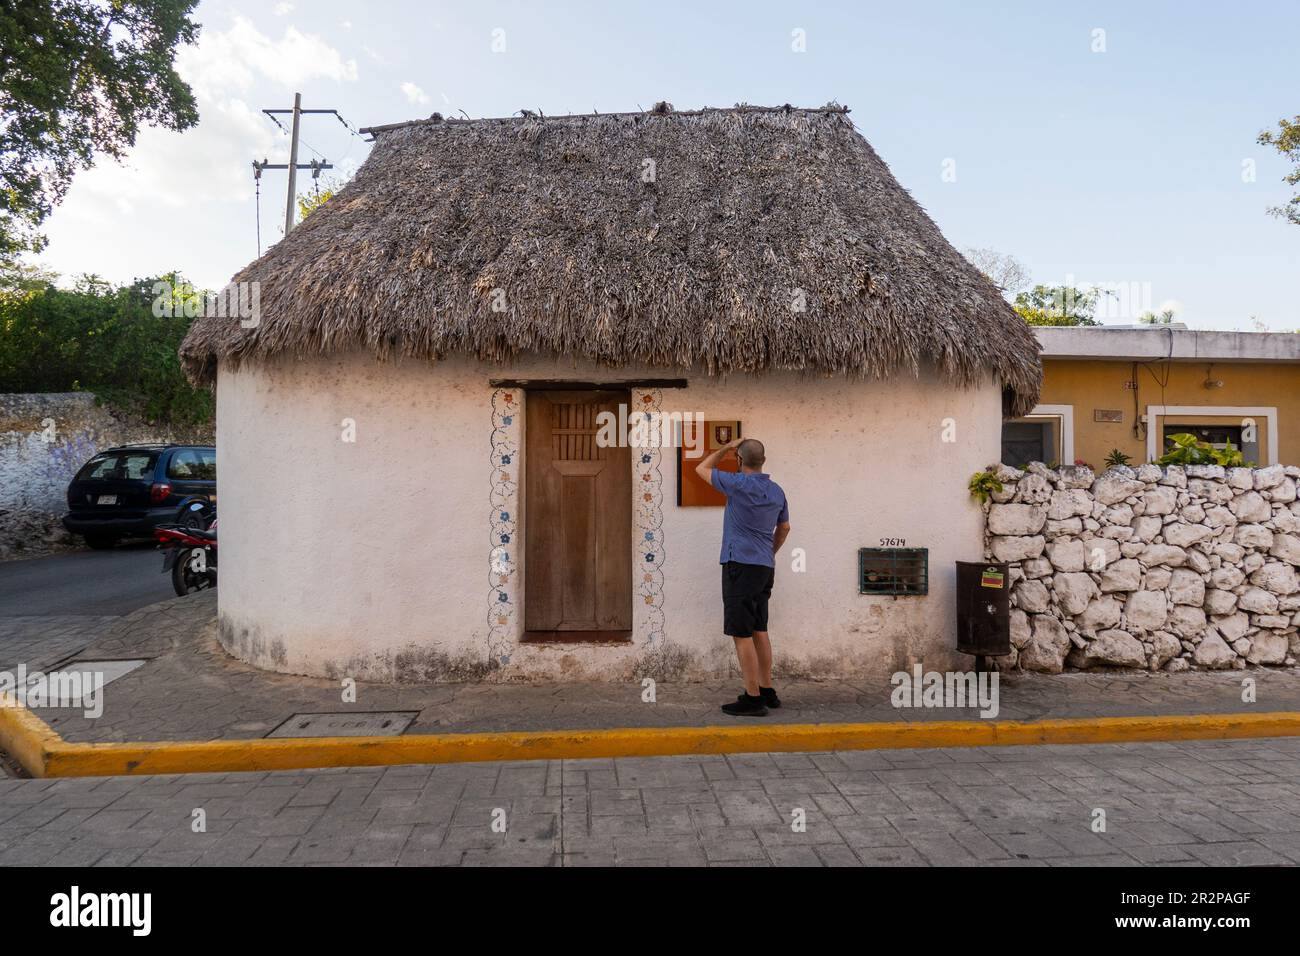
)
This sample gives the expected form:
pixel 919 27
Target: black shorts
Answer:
pixel 745 590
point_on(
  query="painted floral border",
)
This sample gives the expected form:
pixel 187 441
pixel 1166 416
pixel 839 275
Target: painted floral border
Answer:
pixel 503 536
pixel 649 514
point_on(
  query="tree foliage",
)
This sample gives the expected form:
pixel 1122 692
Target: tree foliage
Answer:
pixel 1286 140
pixel 1058 305
pixel 1006 272
pixel 308 203
pixel 100 338
pixel 80 77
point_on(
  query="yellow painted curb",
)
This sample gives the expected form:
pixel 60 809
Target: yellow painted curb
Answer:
pixel 24 736
pixel 44 754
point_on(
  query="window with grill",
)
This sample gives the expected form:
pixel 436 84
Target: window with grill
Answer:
pixel 894 571
pixel 574 430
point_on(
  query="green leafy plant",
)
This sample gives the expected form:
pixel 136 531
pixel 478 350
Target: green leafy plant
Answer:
pixel 1117 459
pixel 78 80
pixel 1229 457
pixel 308 203
pixel 983 484
pixel 1058 305
pixel 1190 450
pixel 1286 140
pixel 100 338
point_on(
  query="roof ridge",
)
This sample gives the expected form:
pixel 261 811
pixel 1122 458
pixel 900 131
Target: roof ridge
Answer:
pixel 659 109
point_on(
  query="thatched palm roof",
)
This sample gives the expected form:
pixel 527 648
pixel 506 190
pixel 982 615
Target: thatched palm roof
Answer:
pixel 729 240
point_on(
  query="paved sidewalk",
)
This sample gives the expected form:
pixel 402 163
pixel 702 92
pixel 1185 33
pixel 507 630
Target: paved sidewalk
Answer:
pixel 1185 804
pixel 190 689
pixel 42 642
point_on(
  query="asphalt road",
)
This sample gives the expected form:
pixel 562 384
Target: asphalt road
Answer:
pixel 84 583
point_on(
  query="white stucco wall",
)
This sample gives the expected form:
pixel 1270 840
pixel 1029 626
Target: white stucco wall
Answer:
pixel 374 558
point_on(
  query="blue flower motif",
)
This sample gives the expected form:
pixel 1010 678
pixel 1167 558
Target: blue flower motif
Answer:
pixel 508 419
pixel 505 539
pixel 645 459
pixel 650 556
pixel 502 597
pixel 649 535
pixel 505 459
pixel 505 516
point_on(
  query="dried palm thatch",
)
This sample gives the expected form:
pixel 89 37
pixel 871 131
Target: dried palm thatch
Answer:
pixel 727 240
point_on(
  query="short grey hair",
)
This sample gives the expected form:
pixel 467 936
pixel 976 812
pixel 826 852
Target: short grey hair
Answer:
pixel 751 453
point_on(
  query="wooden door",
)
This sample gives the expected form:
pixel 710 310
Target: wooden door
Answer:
pixel 577 520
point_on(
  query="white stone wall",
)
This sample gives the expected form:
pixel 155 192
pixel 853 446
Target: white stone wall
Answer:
pixel 1160 568
pixel 45 438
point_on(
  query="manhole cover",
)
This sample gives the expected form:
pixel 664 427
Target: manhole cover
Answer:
pixel 69 683
pixel 362 724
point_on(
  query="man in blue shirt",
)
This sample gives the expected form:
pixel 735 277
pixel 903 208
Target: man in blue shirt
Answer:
pixel 754 526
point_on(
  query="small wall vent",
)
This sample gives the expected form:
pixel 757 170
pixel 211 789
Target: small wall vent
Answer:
pixel 894 571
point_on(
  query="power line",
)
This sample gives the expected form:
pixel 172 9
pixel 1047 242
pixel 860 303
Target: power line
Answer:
pixel 293 165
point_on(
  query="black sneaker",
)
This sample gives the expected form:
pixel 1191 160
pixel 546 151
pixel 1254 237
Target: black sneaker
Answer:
pixel 768 696
pixel 746 706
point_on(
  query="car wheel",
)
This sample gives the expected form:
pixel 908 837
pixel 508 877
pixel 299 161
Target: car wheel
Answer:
pixel 195 520
pixel 100 542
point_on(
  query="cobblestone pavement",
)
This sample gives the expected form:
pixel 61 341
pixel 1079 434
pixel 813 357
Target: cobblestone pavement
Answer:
pixel 1187 804
pixel 191 689
pixel 41 642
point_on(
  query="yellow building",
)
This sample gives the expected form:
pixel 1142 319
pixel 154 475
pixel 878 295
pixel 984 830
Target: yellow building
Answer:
pixel 1128 388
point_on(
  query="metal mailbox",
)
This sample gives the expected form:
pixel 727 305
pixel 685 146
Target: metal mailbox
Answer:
pixel 983 609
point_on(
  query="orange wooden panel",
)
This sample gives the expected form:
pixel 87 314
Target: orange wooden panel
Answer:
pixel 693 491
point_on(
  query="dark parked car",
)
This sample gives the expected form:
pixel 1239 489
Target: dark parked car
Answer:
pixel 126 492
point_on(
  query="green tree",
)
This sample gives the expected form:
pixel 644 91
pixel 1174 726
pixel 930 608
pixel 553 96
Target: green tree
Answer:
pixel 1157 318
pixel 80 77
pixel 100 338
pixel 1286 140
pixel 1058 305
pixel 308 203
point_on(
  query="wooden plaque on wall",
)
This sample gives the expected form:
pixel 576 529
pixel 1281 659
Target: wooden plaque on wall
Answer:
pixel 692 492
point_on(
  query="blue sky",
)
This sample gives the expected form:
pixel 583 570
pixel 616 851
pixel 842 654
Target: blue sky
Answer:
pixel 1120 166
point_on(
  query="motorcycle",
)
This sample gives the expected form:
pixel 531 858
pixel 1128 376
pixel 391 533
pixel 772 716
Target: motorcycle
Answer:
pixel 191 556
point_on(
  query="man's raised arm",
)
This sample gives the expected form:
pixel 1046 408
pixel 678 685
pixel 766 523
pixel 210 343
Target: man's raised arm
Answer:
pixel 705 468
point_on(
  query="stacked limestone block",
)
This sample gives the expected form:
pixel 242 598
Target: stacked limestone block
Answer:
pixel 1160 568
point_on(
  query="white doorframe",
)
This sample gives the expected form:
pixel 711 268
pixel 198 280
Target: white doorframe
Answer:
pixel 1066 414
pixel 1266 412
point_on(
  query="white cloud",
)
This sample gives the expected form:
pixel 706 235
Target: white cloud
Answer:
pixel 163 201
pixel 283 9
pixel 232 61
pixel 414 94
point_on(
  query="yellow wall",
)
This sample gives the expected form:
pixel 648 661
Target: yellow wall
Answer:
pixel 1091 385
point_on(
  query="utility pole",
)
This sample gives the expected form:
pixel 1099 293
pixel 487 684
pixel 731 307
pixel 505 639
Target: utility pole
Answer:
pixel 293 165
